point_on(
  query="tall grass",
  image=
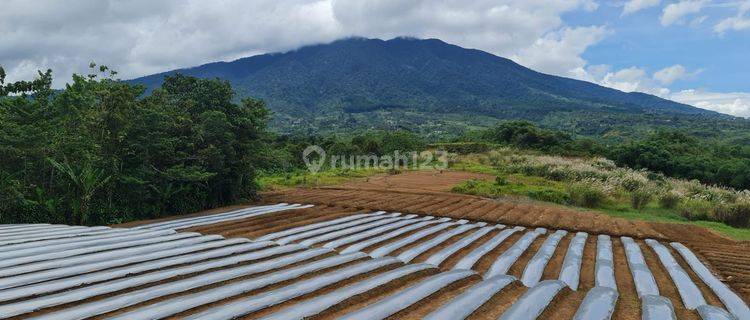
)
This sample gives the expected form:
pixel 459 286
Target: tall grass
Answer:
pixel 595 182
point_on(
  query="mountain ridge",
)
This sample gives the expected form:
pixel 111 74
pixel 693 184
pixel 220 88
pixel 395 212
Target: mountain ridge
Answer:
pixel 420 79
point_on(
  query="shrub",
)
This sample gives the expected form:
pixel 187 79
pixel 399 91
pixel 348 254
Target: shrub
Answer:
pixel 631 185
pixel 733 214
pixel 560 174
pixel 694 209
pixel 586 195
pixel 501 181
pixel 464 147
pixel 549 195
pixel 669 200
pixel 640 198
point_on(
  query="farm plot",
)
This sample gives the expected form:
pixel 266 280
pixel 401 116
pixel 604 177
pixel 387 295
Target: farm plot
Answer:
pixel 296 261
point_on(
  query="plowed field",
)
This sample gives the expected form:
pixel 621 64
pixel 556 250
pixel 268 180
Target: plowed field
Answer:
pixel 401 249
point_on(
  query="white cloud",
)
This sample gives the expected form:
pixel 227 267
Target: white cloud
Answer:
pixel 636 79
pixel 697 22
pixel 141 37
pixel 503 27
pixel 560 52
pixel 736 23
pixel 633 79
pixel 674 12
pixel 634 6
pixel 669 75
pixel 734 103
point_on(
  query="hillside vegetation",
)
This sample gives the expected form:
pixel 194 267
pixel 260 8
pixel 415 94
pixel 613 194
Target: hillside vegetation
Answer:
pixel 99 152
pixel 103 151
pixel 598 183
pixel 441 90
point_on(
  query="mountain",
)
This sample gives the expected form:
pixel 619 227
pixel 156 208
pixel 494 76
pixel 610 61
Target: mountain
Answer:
pixel 428 85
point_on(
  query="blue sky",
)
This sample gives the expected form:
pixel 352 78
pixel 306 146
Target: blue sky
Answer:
pixel 691 51
pixel 639 39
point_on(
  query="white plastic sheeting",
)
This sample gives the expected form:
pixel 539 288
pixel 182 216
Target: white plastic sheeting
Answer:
pixel 19 234
pixel 204 217
pixel 533 302
pixel 354 230
pixel 468 261
pixel 644 280
pixel 440 256
pixel 534 269
pixel 411 253
pixel 144 279
pixel 731 300
pixel 390 235
pixel 231 246
pixel 178 304
pixel 373 232
pixel 40 247
pixel 115 232
pixel 318 304
pixel 405 298
pixel 324 230
pixel 287 232
pixel 213 219
pixel 462 306
pixel 46 275
pixel 654 307
pixel 689 292
pixel 7 228
pixel 599 304
pixel 708 312
pixel 83 231
pixel 58 254
pixel 571 268
pixel 221 217
pixel 605 263
pixel 254 303
pixel 395 245
pixel 130 298
pixel 102 256
pixel 509 257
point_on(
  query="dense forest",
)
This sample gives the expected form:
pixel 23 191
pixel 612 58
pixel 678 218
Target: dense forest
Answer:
pixel 102 151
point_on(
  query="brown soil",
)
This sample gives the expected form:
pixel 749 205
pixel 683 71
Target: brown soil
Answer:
pixel 427 193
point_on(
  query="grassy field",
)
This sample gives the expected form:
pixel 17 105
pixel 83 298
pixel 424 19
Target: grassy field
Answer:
pixel 534 188
pixel 305 178
pixel 512 186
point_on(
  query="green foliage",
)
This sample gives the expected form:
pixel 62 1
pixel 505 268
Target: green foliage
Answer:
pixel 524 134
pixel 550 195
pixel 678 154
pixel 695 209
pixel 100 151
pixel 501 181
pixel 586 195
pixel 304 178
pixel 733 214
pixel 664 152
pixel 640 197
pixel 464 147
pixel 669 200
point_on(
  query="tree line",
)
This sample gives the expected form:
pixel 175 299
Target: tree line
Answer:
pixel 673 152
pixel 100 151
